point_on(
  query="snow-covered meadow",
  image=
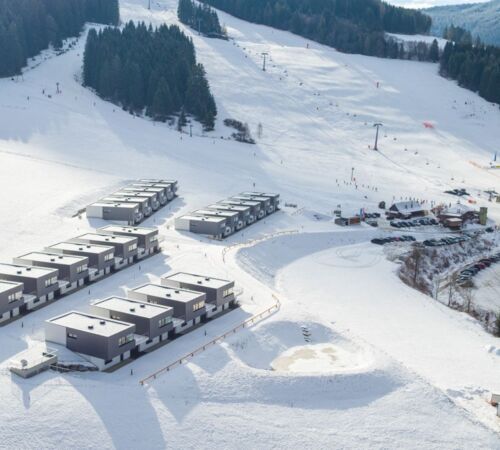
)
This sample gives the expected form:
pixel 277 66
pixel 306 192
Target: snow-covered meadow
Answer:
pixel 420 373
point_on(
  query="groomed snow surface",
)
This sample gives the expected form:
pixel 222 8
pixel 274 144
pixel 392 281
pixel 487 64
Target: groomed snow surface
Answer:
pixel 354 358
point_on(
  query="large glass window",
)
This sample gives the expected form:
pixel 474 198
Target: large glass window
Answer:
pixel 198 306
pixel 164 321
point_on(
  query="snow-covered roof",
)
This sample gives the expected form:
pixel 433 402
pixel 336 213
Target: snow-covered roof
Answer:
pixel 408 206
pixel 458 209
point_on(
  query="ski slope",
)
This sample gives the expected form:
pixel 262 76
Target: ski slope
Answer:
pixel 414 374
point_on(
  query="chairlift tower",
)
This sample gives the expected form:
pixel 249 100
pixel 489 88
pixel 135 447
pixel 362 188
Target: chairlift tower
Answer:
pixel 264 56
pixel 377 125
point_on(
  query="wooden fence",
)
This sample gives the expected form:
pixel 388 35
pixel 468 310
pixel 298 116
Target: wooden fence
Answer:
pixel 246 324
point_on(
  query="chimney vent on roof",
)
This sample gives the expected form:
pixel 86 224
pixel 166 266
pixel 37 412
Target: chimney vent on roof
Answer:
pixel 102 322
pixel 90 327
pixel 132 309
pixel 19 272
pixel 52 259
pixel 142 305
pixel 28 269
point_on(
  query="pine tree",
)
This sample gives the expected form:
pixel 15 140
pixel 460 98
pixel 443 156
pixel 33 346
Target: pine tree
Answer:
pixel 434 51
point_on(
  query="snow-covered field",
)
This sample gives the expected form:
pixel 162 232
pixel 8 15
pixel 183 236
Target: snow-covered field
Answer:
pixel 409 372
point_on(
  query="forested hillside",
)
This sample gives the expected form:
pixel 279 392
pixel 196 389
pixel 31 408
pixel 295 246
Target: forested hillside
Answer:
pixel 151 70
pixel 475 67
pixel 29 26
pixel 199 17
pixel 481 19
pixel 352 26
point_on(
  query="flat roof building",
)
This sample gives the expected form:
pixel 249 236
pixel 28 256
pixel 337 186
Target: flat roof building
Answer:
pixel 120 212
pixel 256 211
pixel 147 237
pixel 125 246
pixel 188 305
pixel 210 225
pixel 159 192
pixel 105 342
pixel 218 291
pixel 233 217
pixel 73 269
pixel 11 299
pixel 275 198
pixel 151 320
pixel 40 283
pixel 152 197
pixel 265 202
pixel 245 212
pixel 166 189
pixel 144 202
pixel 101 257
pixel 172 183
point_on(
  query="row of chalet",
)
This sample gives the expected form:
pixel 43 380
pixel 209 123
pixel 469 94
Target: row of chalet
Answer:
pixel 38 277
pixel 230 215
pixel 134 203
pixel 118 328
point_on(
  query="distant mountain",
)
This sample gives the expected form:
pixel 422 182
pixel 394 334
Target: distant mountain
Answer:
pixel 481 19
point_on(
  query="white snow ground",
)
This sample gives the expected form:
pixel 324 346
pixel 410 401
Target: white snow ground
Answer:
pixel 429 369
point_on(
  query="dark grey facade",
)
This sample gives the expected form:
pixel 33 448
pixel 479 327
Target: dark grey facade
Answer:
pixel 165 192
pixel 11 297
pixel 256 212
pixel 143 202
pixel 160 196
pixel 152 197
pixel 125 246
pixel 71 268
pixel 147 238
pixel 266 202
pixel 37 281
pixel 100 256
pixel 232 217
pixel 121 212
pixel 275 198
pixel 151 320
pixel 218 291
pixel 173 183
pixel 91 335
pixel 209 225
pixel 187 305
pixel 243 211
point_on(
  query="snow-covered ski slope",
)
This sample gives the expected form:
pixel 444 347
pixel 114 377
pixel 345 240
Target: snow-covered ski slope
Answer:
pixel 420 372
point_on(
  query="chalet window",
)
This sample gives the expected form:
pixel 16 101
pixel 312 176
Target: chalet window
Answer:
pixel 198 306
pixel 125 339
pixel 153 238
pixel 227 292
pixel 81 268
pixel 72 336
pixel 16 296
pixel 164 321
pixel 108 257
pixel 132 247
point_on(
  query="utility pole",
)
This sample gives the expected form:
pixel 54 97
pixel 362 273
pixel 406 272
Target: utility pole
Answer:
pixel 352 174
pixel 199 27
pixel 190 130
pixel 264 55
pixel 149 5
pixel 377 125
